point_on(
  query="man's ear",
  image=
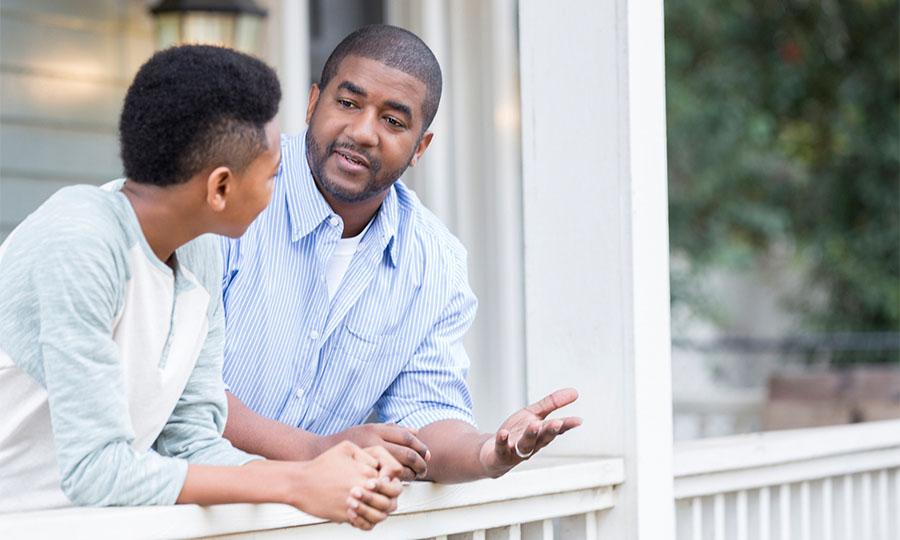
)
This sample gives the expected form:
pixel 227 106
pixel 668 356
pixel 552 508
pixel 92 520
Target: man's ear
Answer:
pixel 313 100
pixel 420 148
pixel 219 185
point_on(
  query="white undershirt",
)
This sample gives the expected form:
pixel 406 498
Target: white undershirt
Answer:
pixel 339 261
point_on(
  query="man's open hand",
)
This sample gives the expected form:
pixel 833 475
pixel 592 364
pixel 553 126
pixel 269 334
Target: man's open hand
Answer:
pixel 402 443
pixel 526 432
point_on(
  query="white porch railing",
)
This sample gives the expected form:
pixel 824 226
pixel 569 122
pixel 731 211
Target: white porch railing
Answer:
pixel 836 483
pixel 523 504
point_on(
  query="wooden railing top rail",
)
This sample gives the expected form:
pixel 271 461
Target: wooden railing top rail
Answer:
pixel 593 479
pixel 779 447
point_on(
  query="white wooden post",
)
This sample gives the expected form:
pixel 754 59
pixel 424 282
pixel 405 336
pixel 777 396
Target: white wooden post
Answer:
pixel 596 239
pixel 293 62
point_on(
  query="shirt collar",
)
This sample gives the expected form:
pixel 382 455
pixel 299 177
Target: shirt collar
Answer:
pixel 307 208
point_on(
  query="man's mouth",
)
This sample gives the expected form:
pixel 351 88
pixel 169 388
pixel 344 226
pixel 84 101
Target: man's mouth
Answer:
pixel 352 157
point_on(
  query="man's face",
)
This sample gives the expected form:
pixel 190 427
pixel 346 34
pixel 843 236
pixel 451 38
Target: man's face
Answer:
pixel 365 128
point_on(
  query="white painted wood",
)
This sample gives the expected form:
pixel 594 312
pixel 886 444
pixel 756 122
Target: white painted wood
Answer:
pixel 293 63
pixel 896 505
pixel 784 511
pixel 478 535
pixel 741 515
pixel 758 449
pixel 827 510
pixel 719 516
pixel 865 501
pixel 848 501
pixel 36 152
pixel 883 502
pixel 764 508
pixel 805 516
pixel 697 518
pixel 590 526
pixel 596 239
pixel 547 529
pixel 515 532
pixel 546 488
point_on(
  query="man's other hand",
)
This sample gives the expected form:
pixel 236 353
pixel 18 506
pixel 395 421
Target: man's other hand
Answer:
pixel 402 443
pixel 526 432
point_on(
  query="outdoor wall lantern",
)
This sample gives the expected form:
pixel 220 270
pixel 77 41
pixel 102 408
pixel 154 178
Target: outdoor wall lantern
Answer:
pixel 231 23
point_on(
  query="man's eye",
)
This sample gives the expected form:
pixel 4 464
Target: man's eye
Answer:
pixel 345 103
pixel 394 122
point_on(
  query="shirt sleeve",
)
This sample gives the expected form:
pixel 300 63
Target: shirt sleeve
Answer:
pixel 78 292
pixel 194 430
pixel 432 386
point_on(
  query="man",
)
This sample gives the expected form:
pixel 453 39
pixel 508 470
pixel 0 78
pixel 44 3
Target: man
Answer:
pixel 347 294
pixel 111 328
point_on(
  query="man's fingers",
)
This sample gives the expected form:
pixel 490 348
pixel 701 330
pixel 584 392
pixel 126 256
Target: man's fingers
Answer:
pixel 408 458
pixel 553 401
pixel 404 437
pixel 570 422
pixel 528 440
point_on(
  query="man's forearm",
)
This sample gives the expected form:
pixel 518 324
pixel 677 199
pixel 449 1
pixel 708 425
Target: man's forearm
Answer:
pixel 266 437
pixel 455 451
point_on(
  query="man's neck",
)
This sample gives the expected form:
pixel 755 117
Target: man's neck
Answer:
pixel 164 216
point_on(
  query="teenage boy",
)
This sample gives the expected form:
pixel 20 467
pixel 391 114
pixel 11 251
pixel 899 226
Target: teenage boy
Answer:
pixel 111 326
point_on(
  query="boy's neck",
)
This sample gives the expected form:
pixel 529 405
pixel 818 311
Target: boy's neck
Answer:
pixel 167 215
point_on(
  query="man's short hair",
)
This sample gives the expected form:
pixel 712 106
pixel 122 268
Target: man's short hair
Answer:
pixel 193 107
pixel 396 48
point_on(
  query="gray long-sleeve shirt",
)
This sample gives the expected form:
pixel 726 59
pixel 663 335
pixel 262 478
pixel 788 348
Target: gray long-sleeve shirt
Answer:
pixel 110 360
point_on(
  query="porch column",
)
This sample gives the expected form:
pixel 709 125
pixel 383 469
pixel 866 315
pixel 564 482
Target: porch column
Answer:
pixel 596 239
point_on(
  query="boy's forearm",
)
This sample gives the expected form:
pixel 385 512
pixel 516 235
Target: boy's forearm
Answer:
pixel 269 438
pixel 255 482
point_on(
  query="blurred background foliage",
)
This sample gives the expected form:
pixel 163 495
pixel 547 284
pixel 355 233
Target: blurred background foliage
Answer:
pixel 784 134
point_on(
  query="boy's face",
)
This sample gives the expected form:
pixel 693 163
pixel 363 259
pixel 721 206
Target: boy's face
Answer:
pixel 252 189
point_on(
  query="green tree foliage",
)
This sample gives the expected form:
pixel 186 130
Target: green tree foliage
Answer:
pixel 784 129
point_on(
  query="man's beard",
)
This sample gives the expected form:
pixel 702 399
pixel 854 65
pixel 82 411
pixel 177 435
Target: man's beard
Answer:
pixel 374 185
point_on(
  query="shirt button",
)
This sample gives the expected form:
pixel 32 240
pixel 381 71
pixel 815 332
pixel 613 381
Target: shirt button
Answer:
pixel 299 393
pixel 334 221
pixel 313 334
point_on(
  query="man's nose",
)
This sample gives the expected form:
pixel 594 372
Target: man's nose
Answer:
pixel 363 129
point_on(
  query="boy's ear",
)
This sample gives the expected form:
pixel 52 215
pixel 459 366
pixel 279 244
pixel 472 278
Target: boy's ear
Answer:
pixel 219 185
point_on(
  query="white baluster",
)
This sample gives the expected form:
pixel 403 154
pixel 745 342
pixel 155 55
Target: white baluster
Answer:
pixel 590 526
pixel 697 518
pixel 515 532
pixel 547 533
pixel 896 503
pixel 784 513
pixel 805 519
pixel 741 512
pixel 719 516
pixel 866 500
pixel 479 534
pixel 827 509
pixel 848 506
pixel 765 526
pixel 883 504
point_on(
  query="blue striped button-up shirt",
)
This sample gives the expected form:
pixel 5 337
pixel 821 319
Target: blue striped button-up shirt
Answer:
pixel 390 339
